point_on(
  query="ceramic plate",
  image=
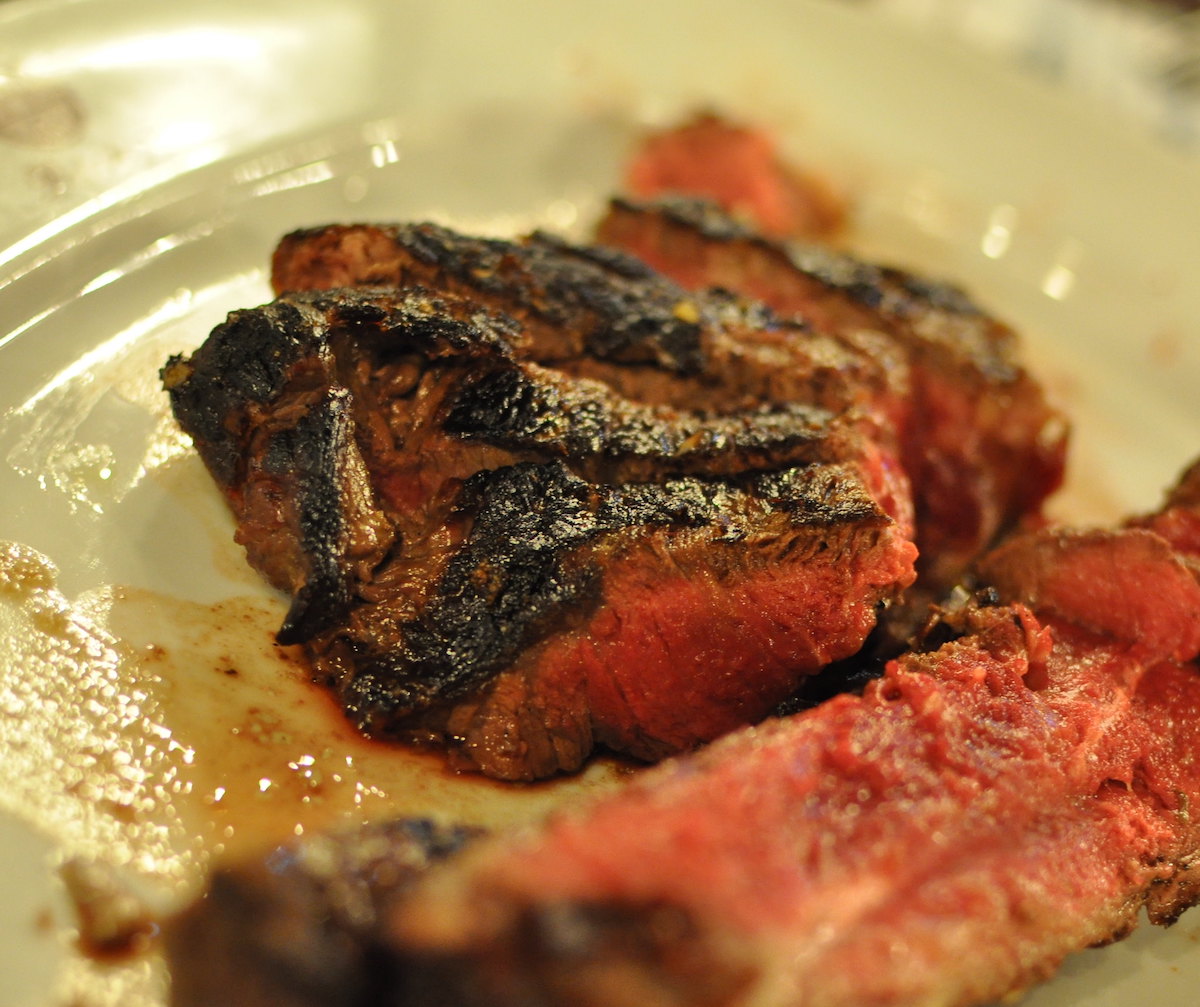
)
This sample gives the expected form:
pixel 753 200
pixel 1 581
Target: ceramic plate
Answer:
pixel 148 723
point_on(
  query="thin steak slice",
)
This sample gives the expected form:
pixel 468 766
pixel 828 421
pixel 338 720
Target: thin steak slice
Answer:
pixel 740 168
pixel 987 807
pixel 519 563
pixel 980 443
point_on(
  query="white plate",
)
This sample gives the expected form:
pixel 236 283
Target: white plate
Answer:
pixel 1084 238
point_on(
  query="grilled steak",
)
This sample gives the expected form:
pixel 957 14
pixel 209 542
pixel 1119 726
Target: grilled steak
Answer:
pixel 980 443
pixel 937 376
pixel 988 806
pixel 519 562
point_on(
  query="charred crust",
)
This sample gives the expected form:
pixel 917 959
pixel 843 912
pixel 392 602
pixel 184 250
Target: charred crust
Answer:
pixel 504 587
pixel 704 216
pixel 896 296
pixel 626 318
pixel 616 308
pixel 244 363
pixel 819 495
pixel 525 570
pixel 637 312
pixel 302 927
pixel 252 358
pixel 526 411
pixel 593 954
pixel 860 280
pixel 312 453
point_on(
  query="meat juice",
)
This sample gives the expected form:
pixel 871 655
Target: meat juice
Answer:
pixel 157 737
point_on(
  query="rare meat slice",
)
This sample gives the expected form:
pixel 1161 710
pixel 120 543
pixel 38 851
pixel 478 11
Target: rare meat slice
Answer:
pixel 947 838
pixel 739 167
pixel 519 563
pixel 982 446
pixel 984 809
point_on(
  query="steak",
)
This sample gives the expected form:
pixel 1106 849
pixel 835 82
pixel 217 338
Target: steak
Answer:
pixel 997 800
pixel 947 838
pixel 519 562
pixel 937 377
pixel 979 441
pixel 738 167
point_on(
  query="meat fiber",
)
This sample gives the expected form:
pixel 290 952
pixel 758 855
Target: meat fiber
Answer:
pixel 946 839
pixel 991 804
pixel 980 443
pixel 520 562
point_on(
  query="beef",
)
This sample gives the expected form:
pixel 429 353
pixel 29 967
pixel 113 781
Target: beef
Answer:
pixel 739 167
pixel 518 562
pixel 937 377
pixel 596 313
pixel 991 804
pixel 982 446
pixel 946 838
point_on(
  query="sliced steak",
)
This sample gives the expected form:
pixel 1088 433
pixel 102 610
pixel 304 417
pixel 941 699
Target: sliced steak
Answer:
pixel 936 376
pixel 597 313
pixel 519 563
pixel 982 446
pixel 947 837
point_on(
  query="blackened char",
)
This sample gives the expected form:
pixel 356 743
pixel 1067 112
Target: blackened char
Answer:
pixel 595 312
pixel 980 442
pixel 298 928
pixel 1020 792
pixel 518 562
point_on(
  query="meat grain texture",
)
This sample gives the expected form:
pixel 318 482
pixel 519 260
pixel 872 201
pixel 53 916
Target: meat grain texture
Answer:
pixel 925 400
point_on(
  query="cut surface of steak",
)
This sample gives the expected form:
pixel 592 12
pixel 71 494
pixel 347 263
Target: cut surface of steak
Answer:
pixel 982 446
pixel 740 168
pixel 948 837
pixel 517 562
